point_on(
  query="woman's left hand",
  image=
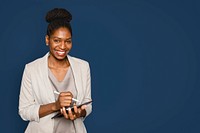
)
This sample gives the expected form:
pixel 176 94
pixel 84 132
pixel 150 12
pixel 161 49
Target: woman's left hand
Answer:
pixel 78 112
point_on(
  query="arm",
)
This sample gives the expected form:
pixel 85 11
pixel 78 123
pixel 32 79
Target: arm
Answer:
pixel 29 109
pixel 47 109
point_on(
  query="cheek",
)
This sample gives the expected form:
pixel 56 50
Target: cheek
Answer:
pixel 70 46
pixel 50 46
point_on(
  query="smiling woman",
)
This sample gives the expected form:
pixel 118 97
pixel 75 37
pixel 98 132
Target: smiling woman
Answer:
pixel 56 71
pixel 59 43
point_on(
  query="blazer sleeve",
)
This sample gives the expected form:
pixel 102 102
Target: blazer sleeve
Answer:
pixel 28 109
pixel 87 96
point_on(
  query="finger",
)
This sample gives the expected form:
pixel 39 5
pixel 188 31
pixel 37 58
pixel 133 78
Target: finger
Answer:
pixel 65 103
pixel 63 98
pixel 70 93
pixel 70 114
pixel 83 107
pixel 61 111
pixel 79 112
pixel 75 117
pixel 75 108
pixel 65 113
pixel 66 94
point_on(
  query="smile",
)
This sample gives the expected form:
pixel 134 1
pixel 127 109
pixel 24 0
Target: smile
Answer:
pixel 61 53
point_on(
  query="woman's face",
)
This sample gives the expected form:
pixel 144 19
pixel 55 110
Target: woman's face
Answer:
pixel 60 43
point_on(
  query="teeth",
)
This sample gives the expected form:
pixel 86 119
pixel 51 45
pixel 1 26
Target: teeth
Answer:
pixel 61 52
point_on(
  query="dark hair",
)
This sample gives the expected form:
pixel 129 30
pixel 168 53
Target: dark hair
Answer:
pixel 58 17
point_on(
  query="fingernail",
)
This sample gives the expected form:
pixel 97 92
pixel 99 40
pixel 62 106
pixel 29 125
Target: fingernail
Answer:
pixel 69 109
pixel 84 106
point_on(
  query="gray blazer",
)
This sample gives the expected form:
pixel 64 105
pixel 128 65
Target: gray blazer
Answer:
pixel 36 90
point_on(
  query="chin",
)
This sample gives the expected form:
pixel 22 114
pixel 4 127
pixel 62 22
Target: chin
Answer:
pixel 61 58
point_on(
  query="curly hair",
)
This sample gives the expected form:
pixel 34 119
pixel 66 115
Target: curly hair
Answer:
pixel 58 17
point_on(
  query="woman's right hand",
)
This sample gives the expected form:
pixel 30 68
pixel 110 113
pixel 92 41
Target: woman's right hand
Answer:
pixel 64 100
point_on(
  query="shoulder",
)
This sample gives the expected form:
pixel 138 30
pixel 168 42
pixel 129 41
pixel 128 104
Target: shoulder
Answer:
pixel 78 61
pixel 37 63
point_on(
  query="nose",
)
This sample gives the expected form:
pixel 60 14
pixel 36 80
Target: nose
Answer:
pixel 62 45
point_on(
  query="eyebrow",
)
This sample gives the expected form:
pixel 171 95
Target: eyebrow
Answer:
pixel 61 38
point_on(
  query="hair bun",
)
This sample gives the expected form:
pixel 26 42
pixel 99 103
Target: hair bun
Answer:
pixel 58 13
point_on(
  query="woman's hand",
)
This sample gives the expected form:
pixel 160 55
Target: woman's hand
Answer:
pixel 78 112
pixel 64 100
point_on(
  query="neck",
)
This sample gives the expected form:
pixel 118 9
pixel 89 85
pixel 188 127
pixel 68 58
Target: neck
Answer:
pixel 55 63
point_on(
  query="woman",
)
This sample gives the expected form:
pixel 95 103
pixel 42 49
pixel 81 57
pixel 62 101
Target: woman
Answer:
pixel 56 71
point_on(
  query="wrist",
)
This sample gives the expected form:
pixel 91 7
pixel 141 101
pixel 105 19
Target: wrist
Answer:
pixel 54 107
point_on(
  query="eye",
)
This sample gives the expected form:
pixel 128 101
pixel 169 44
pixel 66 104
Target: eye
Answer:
pixel 68 41
pixel 56 41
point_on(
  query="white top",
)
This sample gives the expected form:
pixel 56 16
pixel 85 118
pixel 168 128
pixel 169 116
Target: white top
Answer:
pixel 61 124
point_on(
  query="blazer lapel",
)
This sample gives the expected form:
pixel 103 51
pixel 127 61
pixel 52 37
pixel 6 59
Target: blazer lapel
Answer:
pixel 49 90
pixel 76 70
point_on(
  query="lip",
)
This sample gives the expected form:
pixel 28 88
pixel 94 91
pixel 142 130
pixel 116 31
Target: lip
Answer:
pixel 60 53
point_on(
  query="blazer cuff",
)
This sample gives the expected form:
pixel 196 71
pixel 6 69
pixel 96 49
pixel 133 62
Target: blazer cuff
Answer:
pixel 36 113
pixel 30 114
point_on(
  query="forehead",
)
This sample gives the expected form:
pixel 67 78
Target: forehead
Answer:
pixel 62 33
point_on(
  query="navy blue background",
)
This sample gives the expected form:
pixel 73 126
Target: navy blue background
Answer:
pixel 144 57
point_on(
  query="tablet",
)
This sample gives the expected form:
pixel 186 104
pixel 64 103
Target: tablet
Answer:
pixel 72 109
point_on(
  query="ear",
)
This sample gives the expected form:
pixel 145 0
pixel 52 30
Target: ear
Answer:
pixel 47 40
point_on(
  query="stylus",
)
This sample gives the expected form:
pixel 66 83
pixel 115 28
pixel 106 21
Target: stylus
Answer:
pixel 56 92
